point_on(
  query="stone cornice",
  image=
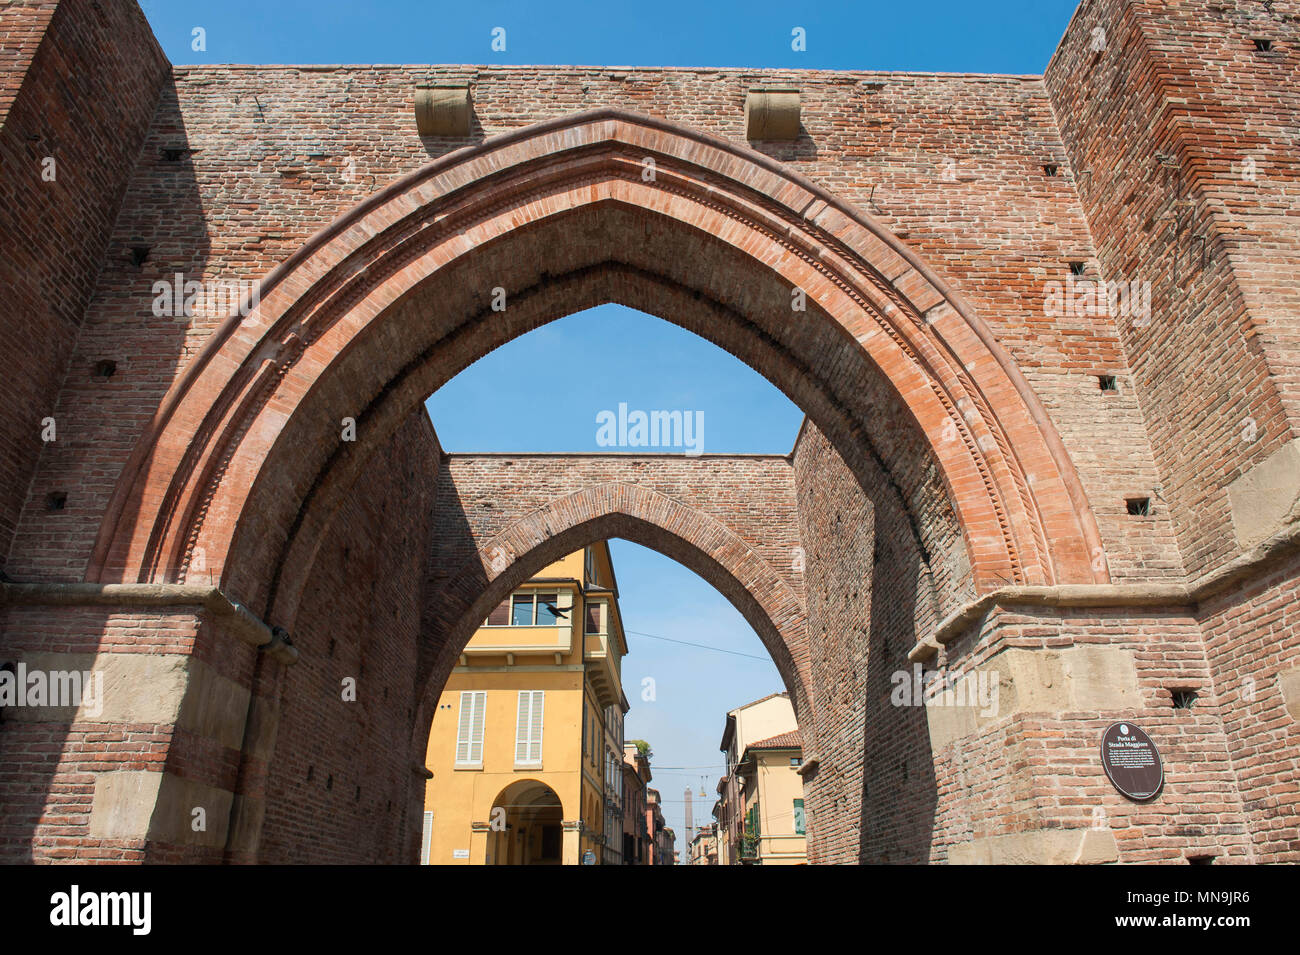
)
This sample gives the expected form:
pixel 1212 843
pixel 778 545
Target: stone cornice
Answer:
pixel 1279 546
pixel 242 622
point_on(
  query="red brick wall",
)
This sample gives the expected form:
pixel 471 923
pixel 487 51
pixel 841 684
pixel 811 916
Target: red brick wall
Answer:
pixel 51 766
pixel 25 24
pixel 341 786
pixel 327 138
pixel 1193 189
pixel 1031 770
pixel 78 84
pixel 953 164
pixel 360 618
pixel 837 531
pixel 1251 636
pixel 48 783
pixel 1216 367
pixel 730 518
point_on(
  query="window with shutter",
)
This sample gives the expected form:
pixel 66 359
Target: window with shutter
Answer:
pixel 528 728
pixel 500 617
pixel 469 731
pixel 426 843
pixel 593 616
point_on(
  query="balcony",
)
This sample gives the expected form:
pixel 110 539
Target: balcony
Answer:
pixel 602 668
pixel 539 639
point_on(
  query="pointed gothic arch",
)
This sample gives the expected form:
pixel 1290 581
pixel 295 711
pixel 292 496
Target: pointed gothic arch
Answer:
pixel 242 462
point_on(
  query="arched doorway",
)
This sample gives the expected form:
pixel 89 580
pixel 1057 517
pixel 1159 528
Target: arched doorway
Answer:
pixel 529 829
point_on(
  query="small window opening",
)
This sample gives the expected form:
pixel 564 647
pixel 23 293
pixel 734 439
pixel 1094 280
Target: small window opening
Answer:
pixel 56 500
pixel 138 254
pixel 1200 860
pixel 1183 699
pixel 1138 506
pixel 1050 169
pixel 173 153
pixel 1262 45
pixel 105 368
pixel 1108 383
pixel 1076 268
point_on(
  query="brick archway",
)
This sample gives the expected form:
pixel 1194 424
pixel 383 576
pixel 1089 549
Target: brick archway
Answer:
pixel 531 537
pixel 926 477
pixel 699 541
pixel 388 302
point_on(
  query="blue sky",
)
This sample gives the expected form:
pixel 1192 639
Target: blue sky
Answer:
pixel 990 36
pixel 513 400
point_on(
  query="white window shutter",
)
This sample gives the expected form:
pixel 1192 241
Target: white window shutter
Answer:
pixel 462 728
pixel 480 717
pixel 521 726
pixel 427 842
pixel 469 732
pixel 535 753
pixel 528 727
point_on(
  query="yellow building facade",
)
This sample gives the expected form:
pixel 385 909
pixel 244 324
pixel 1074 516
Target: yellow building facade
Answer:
pixel 760 812
pixel 772 799
pixel 526 743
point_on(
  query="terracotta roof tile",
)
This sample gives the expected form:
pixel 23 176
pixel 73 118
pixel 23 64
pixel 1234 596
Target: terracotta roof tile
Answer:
pixel 790 740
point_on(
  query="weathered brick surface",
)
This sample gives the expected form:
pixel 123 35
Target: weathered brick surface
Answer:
pixel 731 518
pixel 1164 136
pixel 79 85
pixel 837 530
pixel 1188 130
pixel 1033 771
pixel 957 439
pixel 25 24
pixel 322 140
pixel 50 767
pixel 340 787
pixel 1251 639
pixel 870 596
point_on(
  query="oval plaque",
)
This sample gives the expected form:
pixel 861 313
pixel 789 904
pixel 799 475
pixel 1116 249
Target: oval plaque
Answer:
pixel 1132 762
